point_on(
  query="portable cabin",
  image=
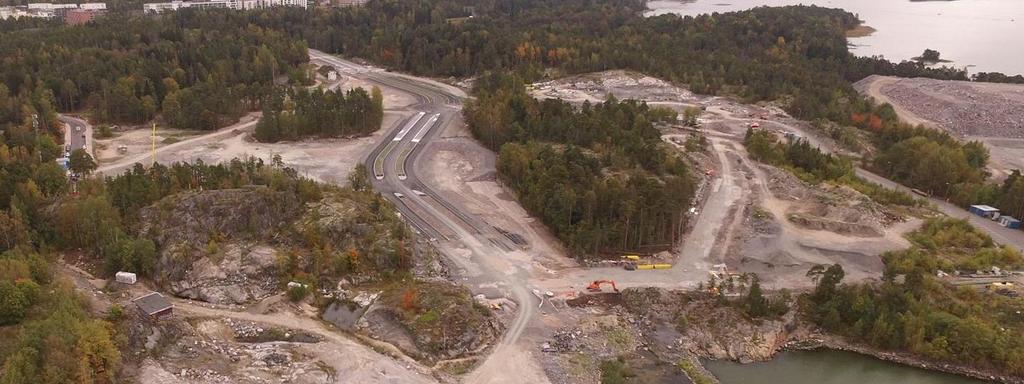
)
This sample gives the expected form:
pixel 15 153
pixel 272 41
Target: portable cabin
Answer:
pixel 125 277
pixel 985 211
pixel 1009 222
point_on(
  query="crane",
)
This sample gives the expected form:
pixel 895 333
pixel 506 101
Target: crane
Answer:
pixel 596 285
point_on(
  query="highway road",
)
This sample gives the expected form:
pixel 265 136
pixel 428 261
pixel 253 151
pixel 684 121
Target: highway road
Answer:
pixel 393 164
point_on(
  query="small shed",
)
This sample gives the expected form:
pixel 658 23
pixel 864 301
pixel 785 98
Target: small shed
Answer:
pixel 1009 222
pixel 125 277
pixel 984 211
pixel 154 306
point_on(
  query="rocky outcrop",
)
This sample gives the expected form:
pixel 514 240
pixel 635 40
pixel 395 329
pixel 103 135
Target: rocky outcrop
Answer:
pixel 707 329
pixel 240 275
pixel 432 321
pixel 209 241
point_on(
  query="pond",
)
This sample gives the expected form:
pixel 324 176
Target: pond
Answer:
pixel 828 367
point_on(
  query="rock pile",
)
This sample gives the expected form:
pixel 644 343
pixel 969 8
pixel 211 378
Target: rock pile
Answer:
pixel 963 108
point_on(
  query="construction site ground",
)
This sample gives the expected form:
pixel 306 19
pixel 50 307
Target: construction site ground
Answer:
pixel 740 219
pixel 326 160
pixel 988 112
pixel 741 222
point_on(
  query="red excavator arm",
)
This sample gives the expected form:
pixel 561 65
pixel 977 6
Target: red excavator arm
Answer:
pixel 596 285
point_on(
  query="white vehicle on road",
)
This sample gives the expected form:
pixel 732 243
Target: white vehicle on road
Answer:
pixel 399 195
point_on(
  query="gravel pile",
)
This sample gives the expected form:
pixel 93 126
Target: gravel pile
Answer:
pixel 963 108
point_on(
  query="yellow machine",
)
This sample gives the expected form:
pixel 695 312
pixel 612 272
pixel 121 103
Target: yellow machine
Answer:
pixel 632 266
pixel 654 266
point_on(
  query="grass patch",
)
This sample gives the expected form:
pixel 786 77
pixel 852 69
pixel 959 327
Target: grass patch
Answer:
pixel 615 371
pixel 428 317
pixel 695 375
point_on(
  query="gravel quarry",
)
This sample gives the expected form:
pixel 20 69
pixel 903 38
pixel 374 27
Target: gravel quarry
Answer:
pixel 988 112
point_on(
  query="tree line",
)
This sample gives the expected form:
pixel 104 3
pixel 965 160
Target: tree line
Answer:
pixel 599 175
pixel 299 113
pixel 810 164
pixel 796 54
pixel 51 336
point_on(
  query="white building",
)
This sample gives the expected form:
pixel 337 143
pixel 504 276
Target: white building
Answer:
pixel 50 6
pixel 93 6
pixel 230 4
pixel 47 10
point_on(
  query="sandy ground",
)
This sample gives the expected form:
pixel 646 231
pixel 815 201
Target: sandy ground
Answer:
pixel 460 167
pixel 597 87
pixel 720 232
pixel 461 170
pixel 326 160
pixel 140 141
pixel 988 112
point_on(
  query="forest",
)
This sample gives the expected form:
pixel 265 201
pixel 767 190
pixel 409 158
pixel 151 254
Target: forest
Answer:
pixel 199 70
pixel 52 336
pixel 299 113
pixel 797 55
pixel 599 175
pixel 912 310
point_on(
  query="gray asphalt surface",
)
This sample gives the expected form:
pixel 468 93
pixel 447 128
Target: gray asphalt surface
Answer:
pixel 79 133
pixel 432 214
pixel 999 233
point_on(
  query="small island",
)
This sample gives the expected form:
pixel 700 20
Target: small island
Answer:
pixel 929 57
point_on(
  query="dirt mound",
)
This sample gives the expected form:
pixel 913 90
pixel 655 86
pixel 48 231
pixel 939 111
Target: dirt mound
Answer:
pixel 622 84
pixel 828 207
pixel 812 221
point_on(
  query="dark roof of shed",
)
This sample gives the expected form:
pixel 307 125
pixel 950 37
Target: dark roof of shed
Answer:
pixel 152 303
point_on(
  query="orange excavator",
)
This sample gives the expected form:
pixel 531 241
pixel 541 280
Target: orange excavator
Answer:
pixel 596 285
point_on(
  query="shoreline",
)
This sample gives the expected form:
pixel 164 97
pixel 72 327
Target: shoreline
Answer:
pixel 825 342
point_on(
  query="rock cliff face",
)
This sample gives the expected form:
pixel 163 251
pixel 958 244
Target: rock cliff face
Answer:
pixel 706 329
pixel 214 244
pixel 239 275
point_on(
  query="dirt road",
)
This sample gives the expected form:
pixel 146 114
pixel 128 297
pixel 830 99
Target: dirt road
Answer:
pixel 147 158
pixel 872 86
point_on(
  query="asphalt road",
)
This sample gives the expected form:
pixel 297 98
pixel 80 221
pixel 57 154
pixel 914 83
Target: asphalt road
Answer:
pixel 999 233
pixel 77 133
pixel 435 217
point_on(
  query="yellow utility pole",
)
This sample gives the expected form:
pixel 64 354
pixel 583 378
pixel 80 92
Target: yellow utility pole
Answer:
pixel 154 144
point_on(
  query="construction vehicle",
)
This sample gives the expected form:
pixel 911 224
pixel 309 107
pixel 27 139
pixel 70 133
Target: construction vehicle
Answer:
pixel 632 266
pixel 596 285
